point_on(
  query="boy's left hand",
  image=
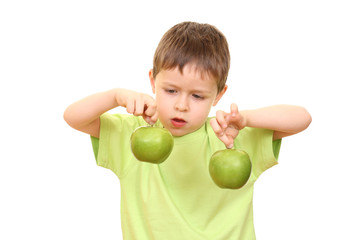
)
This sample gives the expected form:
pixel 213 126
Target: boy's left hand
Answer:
pixel 227 125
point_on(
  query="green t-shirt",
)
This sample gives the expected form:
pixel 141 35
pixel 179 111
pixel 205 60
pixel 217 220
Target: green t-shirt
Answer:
pixel 178 199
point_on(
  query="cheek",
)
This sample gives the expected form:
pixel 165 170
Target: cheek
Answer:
pixel 162 102
pixel 202 111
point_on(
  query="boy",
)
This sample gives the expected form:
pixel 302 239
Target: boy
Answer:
pixel 177 199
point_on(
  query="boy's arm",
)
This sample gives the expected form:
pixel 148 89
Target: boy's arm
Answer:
pixel 285 120
pixel 84 115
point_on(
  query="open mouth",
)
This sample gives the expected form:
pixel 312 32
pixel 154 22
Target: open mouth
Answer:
pixel 178 122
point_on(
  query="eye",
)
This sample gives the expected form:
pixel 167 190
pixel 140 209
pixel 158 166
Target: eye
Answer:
pixel 197 96
pixel 171 91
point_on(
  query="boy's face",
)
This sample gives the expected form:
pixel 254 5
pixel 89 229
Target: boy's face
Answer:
pixel 184 100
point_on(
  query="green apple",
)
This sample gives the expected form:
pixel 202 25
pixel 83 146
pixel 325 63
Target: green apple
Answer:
pixel 151 144
pixel 230 168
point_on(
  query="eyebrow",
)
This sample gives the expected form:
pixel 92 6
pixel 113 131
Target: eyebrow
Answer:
pixel 202 91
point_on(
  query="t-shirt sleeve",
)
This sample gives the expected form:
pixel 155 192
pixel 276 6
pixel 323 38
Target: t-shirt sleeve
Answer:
pixel 95 146
pixel 276 148
pixel 259 144
pixel 112 149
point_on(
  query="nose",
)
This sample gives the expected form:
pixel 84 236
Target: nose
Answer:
pixel 182 104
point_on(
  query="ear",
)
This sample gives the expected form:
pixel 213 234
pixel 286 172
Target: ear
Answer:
pixel 152 80
pixel 219 96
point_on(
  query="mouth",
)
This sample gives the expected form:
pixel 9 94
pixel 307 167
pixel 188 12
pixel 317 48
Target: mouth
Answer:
pixel 178 122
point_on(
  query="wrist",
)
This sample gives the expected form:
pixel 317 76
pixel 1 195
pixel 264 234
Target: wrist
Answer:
pixel 118 96
pixel 245 118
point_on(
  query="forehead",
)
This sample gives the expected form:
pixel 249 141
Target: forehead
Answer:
pixel 190 75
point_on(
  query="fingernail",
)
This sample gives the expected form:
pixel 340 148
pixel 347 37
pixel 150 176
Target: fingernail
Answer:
pixel 230 146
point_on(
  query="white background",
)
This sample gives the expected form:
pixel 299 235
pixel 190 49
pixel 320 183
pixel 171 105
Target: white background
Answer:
pixel 53 53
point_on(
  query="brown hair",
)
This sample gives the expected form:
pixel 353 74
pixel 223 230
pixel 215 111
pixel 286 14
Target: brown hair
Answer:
pixel 190 42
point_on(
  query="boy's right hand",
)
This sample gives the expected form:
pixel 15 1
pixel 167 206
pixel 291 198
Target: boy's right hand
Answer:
pixel 84 115
pixel 138 104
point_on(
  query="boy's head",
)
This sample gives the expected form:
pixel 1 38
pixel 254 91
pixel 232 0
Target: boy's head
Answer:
pixel 201 45
pixel 191 65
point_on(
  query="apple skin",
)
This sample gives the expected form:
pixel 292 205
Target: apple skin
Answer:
pixel 230 168
pixel 151 144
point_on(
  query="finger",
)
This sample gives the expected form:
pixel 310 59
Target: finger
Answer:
pixel 150 113
pixel 232 133
pixel 148 120
pixel 152 117
pixel 230 145
pixel 150 108
pixel 216 127
pixel 220 117
pixel 234 109
pixel 130 105
pixel 227 140
pixel 139 106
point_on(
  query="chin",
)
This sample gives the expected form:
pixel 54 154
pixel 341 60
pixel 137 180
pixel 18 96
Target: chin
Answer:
pixel 177 132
